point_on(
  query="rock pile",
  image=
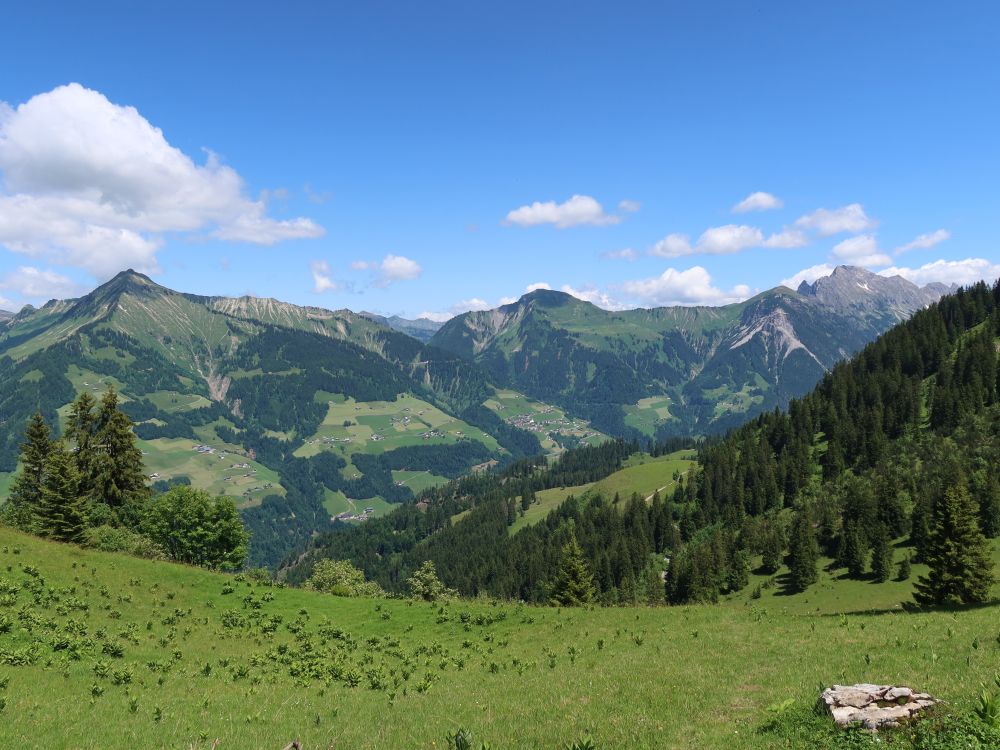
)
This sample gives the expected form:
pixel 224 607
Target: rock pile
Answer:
pixel 874 706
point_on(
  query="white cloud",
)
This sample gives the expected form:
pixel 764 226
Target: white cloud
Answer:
pixel 758 201
pixel 808 274
pixel 395 268
pixel 626 253
pixel 786 238
pixel 672 246
pixel 690 287
pixel 862 250
pixel 579 210
pixel 536 286
pixel 389 270
pixel 92 184
pixel 960 272
pixel 595 297
pixel 728 239
pixel 465 305
pixel 8 304
pixel 629 207
pixel 925 241
pixel 322 280
pixel 28 281
pixel 827 222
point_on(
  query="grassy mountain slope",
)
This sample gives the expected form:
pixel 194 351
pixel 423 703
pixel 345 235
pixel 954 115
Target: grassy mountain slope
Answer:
pixel 680 370
pixel 254 380
pixel 109 652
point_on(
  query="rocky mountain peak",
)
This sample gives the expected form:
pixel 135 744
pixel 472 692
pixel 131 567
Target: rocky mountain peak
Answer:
pixel 850 288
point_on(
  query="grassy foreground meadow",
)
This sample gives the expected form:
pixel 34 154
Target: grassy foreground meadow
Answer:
pixel 106 651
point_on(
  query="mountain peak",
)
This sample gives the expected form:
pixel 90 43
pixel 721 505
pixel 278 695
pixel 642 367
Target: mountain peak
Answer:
pixel 851 287
pixel 546 298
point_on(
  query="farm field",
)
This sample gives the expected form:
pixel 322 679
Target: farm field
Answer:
pixel 170 458
pixel 647 414
pixel 337 503
pixel 544 420
pixel 641 474
pixel 153 654
pixel 376 427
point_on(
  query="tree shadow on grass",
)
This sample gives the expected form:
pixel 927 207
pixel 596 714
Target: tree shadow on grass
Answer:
pixel 909 608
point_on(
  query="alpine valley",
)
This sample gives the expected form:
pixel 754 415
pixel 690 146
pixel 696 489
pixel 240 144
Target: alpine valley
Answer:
pixel 311 417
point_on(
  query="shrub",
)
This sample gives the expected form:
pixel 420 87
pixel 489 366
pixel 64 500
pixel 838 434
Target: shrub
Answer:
pixel 116 539
pixel 340 578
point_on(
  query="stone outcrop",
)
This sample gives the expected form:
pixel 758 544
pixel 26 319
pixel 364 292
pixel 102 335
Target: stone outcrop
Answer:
pixel 874 706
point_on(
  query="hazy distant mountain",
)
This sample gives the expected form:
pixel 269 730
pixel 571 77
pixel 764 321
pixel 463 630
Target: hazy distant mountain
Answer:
pixel 421 329
pixel 673 370
pixel 5 316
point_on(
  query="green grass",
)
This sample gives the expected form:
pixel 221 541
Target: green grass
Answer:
pixel 418 481
pixel 175 457
pixel 685 677
pixel 336 502
pixel 641 474
pixel 647 414
pixel 405 421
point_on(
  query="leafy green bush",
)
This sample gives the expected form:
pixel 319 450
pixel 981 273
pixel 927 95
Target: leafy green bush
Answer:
pixel 116 539
pixel 340 578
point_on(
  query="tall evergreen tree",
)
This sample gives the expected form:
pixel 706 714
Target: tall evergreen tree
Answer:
pixel 961 569
pixel 26 491
pixel 61 511
pixel 853 551
pixel 80 430
pixel 803 553
pixel 574 584
pixel 119 478
pixel 881 554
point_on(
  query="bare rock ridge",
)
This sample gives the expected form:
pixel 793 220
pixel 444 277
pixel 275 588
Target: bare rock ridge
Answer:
pixel 850 288
pixel 874 706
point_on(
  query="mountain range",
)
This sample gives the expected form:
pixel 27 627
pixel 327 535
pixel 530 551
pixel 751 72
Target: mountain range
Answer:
pixel 681 370
pixel 305 414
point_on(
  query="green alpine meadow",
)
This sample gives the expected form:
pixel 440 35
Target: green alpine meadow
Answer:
pixel 499 376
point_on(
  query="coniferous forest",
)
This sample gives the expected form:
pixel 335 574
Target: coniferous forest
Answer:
pixel 893 459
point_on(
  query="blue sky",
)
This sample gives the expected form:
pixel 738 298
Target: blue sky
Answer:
pixel 432 157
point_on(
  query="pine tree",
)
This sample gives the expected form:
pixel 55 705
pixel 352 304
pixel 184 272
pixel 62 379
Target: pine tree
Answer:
pixel 574 584
pixel 61 512
pixel 961 569
pixel 119 478
pixel 881 554
pixel 803 553
pixel 989 508
pixel 904 569
pixel 853 551
pixel 80 429
pixel 26 491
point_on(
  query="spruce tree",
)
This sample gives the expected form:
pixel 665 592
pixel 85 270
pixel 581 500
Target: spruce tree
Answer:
pixel 80 428
pixel 803 553
pixel 853 551
pixel 904 569
pixel 119 478
pixel 961 569
pixel 574 584
pixel 26 491
pixel 881 554
pixel 61 512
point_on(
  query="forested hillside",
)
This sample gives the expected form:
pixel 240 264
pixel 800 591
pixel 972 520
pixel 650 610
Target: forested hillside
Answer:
pixel 894 455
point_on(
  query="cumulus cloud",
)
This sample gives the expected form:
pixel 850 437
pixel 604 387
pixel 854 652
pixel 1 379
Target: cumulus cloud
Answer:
pixel 691 287
pixel 322 280
pixel 626 253
pixel 808 275
pixel 726 240
pixel 463 306
pixel 758 201
pixel 92 184
pixel 7 304
pixel 924 241
pixel 579 210
pixel 828 222
pixel 862 250
pixel 960 272
pixel 629 207
pixel 536 286
pixel 595 297
pixel 27 281
pixel 390 269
